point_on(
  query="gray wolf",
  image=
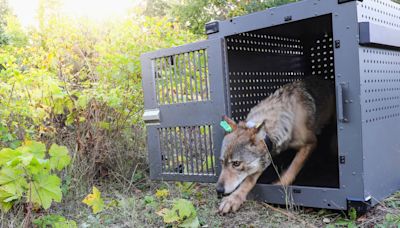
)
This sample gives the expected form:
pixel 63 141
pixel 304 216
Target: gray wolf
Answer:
pixel 290 118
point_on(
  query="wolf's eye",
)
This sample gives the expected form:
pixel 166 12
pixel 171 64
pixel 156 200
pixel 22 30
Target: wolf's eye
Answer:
pixel 236 163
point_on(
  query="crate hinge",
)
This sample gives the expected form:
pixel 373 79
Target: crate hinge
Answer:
pixel 342 159
pixel 361 206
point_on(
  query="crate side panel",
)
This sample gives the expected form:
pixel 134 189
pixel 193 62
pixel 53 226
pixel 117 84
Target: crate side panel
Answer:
pixel 380 100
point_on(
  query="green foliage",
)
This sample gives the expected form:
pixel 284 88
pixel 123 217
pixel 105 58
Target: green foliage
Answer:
pixel 70 66
pixel 7 138
pixel 391 220
pixel 344 223
pixel 45 188
pixel 182 214
pixel 186 188
pixel 27 175
pixel 59 157
pixel 54 221
pixel 4 11
pixel 157 8
pixel 352 214
pixel 72 78
pixel 148 200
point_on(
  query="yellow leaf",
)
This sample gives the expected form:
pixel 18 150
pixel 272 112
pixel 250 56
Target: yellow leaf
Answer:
pixel 94 200
pixel 162 193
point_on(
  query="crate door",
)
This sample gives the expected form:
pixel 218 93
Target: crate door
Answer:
pixel 184 101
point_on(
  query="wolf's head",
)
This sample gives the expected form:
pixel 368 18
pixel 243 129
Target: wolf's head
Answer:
pixel 243 153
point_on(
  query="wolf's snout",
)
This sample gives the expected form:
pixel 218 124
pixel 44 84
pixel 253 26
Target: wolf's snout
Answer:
pixel 220 189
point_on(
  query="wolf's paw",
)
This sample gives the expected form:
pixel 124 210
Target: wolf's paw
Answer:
pixel 231 203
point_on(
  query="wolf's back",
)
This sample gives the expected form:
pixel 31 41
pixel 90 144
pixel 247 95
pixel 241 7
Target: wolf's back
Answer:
pixel 322 91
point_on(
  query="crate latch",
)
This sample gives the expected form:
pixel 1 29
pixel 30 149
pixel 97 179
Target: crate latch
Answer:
pixel 151 116
pixel 212 27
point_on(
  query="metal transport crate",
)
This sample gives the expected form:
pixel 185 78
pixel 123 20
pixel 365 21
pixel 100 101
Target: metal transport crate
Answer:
pixel 354 44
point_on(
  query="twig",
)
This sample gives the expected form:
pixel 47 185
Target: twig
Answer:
pixel 288 214
pixel 131 181
pixel 11 94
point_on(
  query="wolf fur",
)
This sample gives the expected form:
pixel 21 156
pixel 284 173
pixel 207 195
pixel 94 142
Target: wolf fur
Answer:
pixel 291 117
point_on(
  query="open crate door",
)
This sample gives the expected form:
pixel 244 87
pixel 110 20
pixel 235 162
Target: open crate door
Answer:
pixel 184 99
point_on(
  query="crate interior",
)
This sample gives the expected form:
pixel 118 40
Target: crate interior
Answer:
pixel 261 61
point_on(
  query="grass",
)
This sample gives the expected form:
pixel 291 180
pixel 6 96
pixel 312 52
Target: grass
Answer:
pixel 126 186
pixel 129 209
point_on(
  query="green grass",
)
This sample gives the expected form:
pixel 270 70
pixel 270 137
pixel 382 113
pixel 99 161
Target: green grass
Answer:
pixel 129 209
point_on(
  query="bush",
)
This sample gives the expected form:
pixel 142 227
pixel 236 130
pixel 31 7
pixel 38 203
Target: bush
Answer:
pixel 79 83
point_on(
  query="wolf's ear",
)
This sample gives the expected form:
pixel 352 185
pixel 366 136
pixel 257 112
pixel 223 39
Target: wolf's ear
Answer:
pixel 256 127
pixel 260 126
pixel 255 130
pixel 231 122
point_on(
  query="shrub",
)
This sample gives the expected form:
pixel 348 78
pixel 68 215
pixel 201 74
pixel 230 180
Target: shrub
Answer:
pixel 28 175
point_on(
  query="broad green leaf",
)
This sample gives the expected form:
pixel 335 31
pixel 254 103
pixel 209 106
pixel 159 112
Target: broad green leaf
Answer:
pixel 38 149
pixel 83 100
pixel 183 213
pixel 4 206
pixel 12 181
pixel 39 166
pixel 5 196
pixel 170 216
pixel 26 158
pixel 7 155
pixel 45 188
pixel 191 222
pixel 12 187
pixel 11 198
pixel 94 200
pixel 59 157
pixel 185 208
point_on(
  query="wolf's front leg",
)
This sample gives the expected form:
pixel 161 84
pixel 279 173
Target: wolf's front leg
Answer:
pixel 297 164
pixel 232 202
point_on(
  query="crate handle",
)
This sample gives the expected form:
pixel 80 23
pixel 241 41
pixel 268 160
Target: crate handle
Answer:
pixel 340 106
pixel 375 35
